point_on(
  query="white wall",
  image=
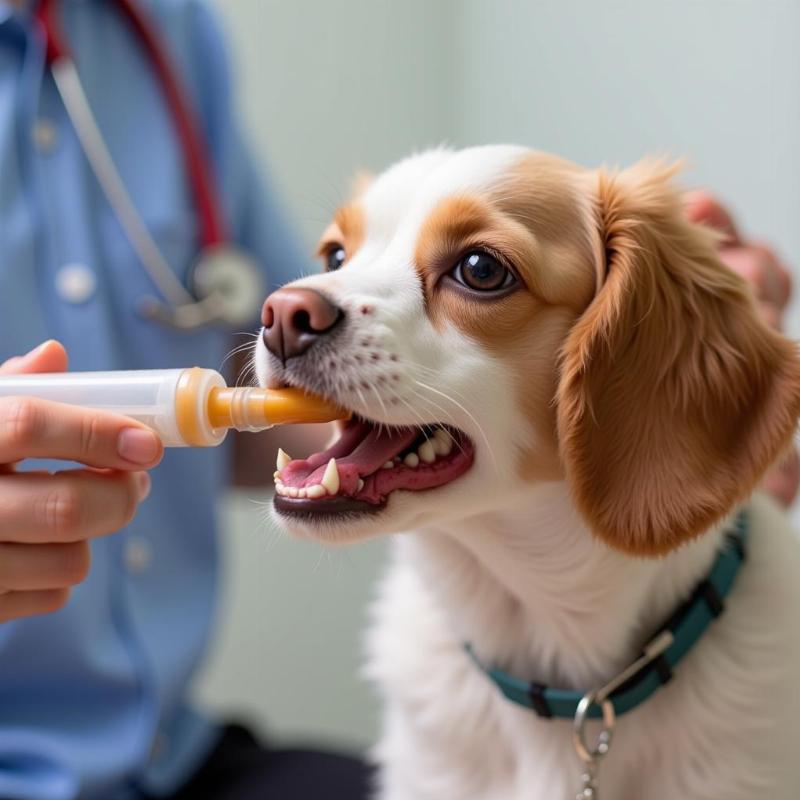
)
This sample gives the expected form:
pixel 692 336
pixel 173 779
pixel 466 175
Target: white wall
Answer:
pixel 715 81
pixel 331 88
pixel 327 88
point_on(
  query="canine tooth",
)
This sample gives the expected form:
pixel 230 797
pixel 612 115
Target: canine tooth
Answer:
pixel 442 446
pixel 283 459
pixel 316 491
pixel 330 480
pixel 293 491
pixel 442 442
pixel 411 460
pixel 360 485
pixel 426 452
pixel 388 465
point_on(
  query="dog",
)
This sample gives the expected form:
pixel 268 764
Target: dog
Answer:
pixel 562 399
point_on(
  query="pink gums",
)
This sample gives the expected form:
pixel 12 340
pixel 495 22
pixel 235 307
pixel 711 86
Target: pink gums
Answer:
pixel 360 453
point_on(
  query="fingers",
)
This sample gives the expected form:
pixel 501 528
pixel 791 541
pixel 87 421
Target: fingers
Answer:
pixel 46 520
pixel 47 357
pixel 37 567
pixel 14 605
pixel 782 481
pixel 38 507
pixel 703 207
pixel 756 263
pixel 760 267
pixel 35 428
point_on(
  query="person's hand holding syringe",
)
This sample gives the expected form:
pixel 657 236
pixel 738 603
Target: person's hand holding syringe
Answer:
pixel 116 424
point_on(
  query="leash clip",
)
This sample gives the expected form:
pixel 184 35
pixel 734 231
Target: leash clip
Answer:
pixel 592 756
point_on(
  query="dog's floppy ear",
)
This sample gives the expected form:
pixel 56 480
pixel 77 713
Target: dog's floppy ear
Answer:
pixel 674 397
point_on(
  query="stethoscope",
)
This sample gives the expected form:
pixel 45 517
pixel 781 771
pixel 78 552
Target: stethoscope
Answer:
pixel 226 285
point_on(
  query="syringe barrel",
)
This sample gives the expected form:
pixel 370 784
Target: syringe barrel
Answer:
pixel 148 396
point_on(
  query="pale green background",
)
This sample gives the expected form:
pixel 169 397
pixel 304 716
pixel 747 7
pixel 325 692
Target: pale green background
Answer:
pixel 329 87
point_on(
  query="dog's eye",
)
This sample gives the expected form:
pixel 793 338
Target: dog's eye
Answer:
pixel 334 257
pixel 483 273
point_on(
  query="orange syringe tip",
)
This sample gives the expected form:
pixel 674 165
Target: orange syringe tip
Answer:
pixel 286 406
pixel 252 408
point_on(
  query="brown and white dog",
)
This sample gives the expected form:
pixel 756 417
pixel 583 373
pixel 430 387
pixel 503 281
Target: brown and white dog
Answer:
pixel 559 396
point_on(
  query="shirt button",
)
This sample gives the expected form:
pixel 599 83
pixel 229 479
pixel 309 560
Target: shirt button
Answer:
pixel 45 135
pixel 138 555
pixel 75 283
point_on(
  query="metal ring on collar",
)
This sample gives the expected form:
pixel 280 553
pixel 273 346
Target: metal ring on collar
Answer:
pixel 587 755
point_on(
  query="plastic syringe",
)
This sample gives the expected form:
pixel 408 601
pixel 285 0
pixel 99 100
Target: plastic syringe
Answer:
pixel 185 407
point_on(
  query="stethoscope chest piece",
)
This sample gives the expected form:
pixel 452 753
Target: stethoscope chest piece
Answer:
pixel 228 286
pixel 229 274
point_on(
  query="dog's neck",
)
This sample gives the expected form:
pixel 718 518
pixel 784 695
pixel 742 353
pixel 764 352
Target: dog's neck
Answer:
pixel 536 594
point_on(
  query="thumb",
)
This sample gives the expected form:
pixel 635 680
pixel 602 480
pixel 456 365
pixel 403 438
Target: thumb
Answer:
pixel 47 357
pixel 702 207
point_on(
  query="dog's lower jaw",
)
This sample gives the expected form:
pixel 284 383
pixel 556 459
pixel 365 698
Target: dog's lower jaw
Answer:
pixel 547 602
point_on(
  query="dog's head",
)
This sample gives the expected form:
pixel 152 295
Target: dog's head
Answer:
pixel 496 317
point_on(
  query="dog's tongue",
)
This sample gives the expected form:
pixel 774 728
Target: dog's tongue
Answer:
pixel 361 450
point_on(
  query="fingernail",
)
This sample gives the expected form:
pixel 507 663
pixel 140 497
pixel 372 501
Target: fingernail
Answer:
pixel 145 484
pixel 138 446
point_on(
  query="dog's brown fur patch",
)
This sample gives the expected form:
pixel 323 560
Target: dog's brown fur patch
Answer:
pixel 533 219
pixel 347 229
pixel 674 396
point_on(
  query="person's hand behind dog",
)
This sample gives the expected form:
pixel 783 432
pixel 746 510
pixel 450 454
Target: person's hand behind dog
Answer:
pixel 772 284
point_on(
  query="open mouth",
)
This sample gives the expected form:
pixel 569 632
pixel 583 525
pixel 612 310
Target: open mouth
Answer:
pixel 367 463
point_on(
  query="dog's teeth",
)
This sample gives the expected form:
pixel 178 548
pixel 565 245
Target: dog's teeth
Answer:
pixel 426 452
pixel 280 488
pixel 360 485
pixel 388 465
pixel 293 491
pixel 330 480
pixel 411 460
pixel 302 492
pixel 442 447
pixel 283 459
pixel 316 491
pixel 442 442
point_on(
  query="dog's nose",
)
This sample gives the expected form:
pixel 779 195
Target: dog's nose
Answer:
pixel 294 318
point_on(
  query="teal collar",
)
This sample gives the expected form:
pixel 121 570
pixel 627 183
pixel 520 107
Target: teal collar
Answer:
pixel 673 640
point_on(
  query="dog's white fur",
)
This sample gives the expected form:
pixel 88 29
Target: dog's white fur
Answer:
pixel 531 586
pixel 514 569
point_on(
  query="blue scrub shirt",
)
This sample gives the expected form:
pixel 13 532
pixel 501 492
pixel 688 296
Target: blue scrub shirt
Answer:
pixel 93 699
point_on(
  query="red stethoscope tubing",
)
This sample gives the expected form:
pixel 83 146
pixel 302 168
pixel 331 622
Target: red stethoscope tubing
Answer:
pixel 212 231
